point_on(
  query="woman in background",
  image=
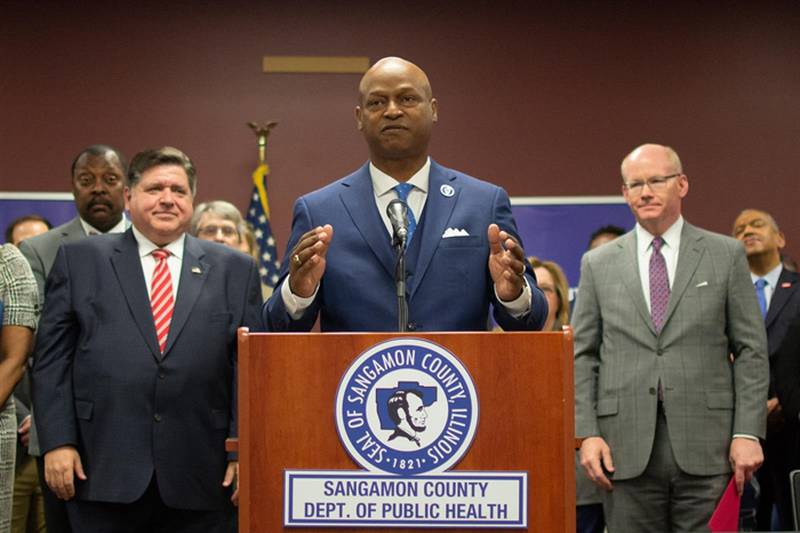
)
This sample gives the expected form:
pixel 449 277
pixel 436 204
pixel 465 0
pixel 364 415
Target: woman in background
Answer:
pixel 552 281
pixel 19 302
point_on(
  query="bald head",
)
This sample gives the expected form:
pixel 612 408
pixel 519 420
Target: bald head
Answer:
pixel 648 154
pixel 396 114
pixel 395 67
pixel 751 213
pixel 654 185
pixel 762 239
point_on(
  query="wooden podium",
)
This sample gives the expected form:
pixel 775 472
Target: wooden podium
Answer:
pixel 287 390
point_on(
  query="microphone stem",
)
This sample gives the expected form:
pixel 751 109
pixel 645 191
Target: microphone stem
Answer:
pixel 400 282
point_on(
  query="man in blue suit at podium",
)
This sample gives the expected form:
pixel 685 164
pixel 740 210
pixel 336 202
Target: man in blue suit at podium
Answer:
pixel 463 253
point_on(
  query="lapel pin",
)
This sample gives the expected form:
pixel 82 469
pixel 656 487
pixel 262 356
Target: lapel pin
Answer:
pixel 447 191
pixel 785 285
pixel 196 270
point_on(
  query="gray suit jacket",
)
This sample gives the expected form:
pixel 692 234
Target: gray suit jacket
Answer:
pixel 40 251
pixel 619 357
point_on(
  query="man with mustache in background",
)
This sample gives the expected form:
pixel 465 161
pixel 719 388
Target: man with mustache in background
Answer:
pixel 98 173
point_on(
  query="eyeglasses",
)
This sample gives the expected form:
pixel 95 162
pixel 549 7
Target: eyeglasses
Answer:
pixel 656 184
pixel 211 231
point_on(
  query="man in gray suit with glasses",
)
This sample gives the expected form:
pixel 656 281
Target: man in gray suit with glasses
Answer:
pixel 671 371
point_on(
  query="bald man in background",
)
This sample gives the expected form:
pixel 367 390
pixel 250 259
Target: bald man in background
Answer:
pixel 664 413
pixel 778 294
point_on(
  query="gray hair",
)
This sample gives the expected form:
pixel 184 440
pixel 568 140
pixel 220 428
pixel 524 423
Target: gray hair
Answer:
pixel 221 208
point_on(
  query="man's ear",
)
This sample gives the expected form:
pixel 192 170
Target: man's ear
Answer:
pixel 359 124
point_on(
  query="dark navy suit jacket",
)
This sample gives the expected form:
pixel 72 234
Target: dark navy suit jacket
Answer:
pixel 100 383
pixel 783 308
pixel 449 285
pixel 783 330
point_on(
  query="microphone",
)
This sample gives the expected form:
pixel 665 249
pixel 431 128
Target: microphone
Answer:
pixel 397 210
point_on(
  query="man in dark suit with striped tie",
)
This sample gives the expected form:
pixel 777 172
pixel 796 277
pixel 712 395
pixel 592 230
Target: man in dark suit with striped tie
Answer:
pixel 135 365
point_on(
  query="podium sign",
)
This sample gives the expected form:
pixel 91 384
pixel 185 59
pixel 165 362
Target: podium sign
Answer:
pixel 337 498
pixel 396 432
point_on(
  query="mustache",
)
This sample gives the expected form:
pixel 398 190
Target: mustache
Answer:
pixel 100 200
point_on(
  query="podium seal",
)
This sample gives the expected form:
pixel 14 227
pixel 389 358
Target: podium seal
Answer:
pixel 406 406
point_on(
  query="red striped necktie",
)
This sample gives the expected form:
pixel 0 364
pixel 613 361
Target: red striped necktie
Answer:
pixel 161 299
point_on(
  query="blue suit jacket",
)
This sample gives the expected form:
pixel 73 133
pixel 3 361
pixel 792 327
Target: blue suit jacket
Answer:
pixel 449 287
pixel 100 383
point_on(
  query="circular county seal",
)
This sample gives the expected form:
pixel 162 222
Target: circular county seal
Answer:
pixel 406 406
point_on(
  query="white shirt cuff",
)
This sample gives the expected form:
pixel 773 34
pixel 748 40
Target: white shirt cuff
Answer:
pixel 521 305
pixel 295 305
pixel 744 436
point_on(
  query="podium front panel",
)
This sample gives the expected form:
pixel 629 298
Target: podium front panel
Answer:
pixel 288 384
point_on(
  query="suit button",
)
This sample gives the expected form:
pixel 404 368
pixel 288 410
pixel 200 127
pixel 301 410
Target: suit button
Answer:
pixel 652 390
pixel 157 417
pixel 659 352
pixel 161 375
pixel 412 326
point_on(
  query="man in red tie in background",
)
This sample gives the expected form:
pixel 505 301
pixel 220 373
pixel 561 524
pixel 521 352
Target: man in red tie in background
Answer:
pixel 134 377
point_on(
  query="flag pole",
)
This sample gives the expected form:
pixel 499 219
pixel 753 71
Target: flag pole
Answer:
pixel 258 213
pixel 262 132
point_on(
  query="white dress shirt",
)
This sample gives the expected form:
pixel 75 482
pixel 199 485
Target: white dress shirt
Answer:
pixel 383 186
pixel 772 282
pixel 670 248
pixel 174 261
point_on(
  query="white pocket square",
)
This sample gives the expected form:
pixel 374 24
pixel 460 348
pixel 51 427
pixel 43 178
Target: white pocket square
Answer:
pixel 453 232
pixel 702 284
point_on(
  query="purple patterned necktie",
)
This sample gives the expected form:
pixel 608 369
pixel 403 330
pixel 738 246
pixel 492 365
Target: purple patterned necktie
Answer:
pixel 659 285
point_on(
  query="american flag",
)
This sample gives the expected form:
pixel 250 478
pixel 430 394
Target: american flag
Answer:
pixel 258 217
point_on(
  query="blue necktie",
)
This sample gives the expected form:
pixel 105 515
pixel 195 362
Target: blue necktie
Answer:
pixel 402 190
pixel 762 298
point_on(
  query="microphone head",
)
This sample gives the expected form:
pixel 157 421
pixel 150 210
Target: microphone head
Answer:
pixel 398 208
pixel 397 211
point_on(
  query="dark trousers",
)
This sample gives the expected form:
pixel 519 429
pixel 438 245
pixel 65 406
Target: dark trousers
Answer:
pixel 55 510
pixel 773 476
pixel 148 513
pixel 589 518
